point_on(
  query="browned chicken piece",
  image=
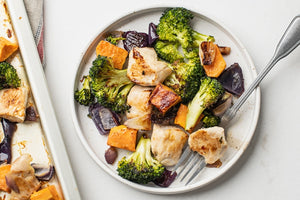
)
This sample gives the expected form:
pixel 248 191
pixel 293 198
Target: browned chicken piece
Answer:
pixel 163 98
pixel 167 143
pixel 21 178
pixel 145 69
pixel 209 142
pixel 13 103
pixel 139 114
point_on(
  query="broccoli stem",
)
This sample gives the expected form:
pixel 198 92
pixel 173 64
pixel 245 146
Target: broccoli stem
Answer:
pixel 196 107
pixel 210 91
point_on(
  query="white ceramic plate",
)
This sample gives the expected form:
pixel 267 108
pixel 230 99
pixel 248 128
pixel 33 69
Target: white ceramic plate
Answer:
pixel 238 135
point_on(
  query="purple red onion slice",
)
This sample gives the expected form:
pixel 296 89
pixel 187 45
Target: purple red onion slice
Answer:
pixel 5 146
pixel 103 118
pixel 43 172
pixel 135 39
pixel 232 79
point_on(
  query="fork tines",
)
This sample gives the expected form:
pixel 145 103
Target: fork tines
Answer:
pixel 189 162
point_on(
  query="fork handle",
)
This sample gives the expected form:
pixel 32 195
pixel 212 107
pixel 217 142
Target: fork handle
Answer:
pixel 288 42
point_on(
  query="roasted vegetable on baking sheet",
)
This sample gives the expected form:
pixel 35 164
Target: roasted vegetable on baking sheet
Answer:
pixel 8 76
pixel 7 48
pixel 9 129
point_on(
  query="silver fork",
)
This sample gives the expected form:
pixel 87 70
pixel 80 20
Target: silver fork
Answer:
pixel 192 161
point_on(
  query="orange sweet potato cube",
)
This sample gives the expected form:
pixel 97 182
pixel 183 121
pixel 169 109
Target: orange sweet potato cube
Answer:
pixel 180 118
pixel 4 169
pixel 7 48
pixel 48 193
pixel 117 54
pixel 164 98
pixel 122 137
pixel 218 65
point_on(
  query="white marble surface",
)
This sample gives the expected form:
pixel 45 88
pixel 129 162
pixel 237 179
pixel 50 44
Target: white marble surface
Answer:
pixel 269 168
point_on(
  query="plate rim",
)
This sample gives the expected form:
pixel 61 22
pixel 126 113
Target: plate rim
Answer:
pixel 159 190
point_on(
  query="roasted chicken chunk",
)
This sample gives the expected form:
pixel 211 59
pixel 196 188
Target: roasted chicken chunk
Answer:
pixel 139 114
pixel 209 142
pixel 145 69
pixel 167 143
pixel 13 103
pixel 21 178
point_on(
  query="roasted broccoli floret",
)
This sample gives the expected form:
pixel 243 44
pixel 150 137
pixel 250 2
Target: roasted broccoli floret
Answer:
pixel 210 91
pixel 140 166
pixel 185 79
pixel 113 39
pixel 84 96
pixel 199 37
pixel 174 26
pixel 109 85
pixel 168 51
pixel 8 76
pixel 193 50
pixel 100 64
pixel 210 120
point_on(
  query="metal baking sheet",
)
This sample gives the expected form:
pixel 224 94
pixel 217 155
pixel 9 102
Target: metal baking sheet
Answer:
pixel 43 139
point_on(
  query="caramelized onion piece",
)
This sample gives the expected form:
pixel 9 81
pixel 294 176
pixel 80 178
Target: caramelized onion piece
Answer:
pixel 224 50
pixel 207 52
pixel 223 104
